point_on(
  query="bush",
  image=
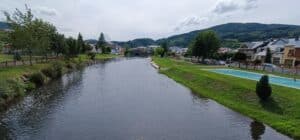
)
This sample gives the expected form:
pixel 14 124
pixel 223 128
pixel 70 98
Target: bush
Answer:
pixel 49 72
pixel 29 86
pixel 37 78
pixel 57 68
pixel 70 65
pixel 92 55
pixel 16 87
pixel 263 88
pixel 11 88
pixel 54 71
pixel 3 90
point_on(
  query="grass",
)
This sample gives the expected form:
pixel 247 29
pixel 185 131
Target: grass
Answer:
pixel 4 57
pixel 282 111
pixel 84 57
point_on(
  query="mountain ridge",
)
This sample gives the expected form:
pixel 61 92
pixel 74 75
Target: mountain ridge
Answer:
pixel 240 32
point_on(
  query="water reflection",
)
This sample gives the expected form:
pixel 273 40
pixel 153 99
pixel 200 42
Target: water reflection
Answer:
pixel 257 130
pixel 36 107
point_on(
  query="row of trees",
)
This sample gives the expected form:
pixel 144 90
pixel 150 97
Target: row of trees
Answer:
pixel 33 36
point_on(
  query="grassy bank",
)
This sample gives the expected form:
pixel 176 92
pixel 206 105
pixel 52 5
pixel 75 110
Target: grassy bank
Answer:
pixel 16 81
pixel 4 57
pixel 282 112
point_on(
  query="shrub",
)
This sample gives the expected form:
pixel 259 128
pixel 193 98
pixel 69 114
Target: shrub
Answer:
pixel 3 90
pixel 92 55
pixel 263 88
pixel 49 72
pixel 10 88
pixel 37 78
pixel 70 65
pixel 54 71
pixel 57 68
pixel 16 87
pixel 29 86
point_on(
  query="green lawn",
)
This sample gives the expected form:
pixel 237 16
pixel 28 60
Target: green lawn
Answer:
pixel 4 57
pixel 282 112
pixel 84 57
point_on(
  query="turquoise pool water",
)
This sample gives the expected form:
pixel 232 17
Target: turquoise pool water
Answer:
pixel 287 82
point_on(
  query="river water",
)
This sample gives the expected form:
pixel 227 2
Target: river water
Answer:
pixel 125 99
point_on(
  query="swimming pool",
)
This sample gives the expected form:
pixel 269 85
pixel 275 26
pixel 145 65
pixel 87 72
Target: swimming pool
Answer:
pixel 276 80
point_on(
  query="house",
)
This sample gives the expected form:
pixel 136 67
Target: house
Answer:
pixel 251 48
pixel 94 49
pixel 223 50
pixel 276 47
pixel 178 50
pixel 291 53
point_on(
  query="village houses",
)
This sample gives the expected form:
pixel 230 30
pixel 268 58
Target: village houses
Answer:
pixel 284 51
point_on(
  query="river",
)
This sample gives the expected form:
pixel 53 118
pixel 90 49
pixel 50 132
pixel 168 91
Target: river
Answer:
pixel 125 99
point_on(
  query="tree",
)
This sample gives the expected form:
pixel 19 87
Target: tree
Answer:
pixel 159 51
pixel 240 57
pixel 165 48
pixel 71 47
pixel 205 45
pixel 42 33
pixel 263 88
pixel 107 50
pixel 101 43
pixel 29 34
pixel 58 44
pixel 268 58
pixel 126 52
pixel 80 44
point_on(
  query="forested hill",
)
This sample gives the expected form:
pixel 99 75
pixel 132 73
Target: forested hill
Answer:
pixel 136 42
pixel 241 32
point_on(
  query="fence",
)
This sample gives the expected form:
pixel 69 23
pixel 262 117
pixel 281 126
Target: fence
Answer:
pixel 282 70
pixel 26 62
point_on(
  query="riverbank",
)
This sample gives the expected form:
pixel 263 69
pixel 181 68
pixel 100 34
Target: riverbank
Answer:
pixel 16 81
pixel 281 112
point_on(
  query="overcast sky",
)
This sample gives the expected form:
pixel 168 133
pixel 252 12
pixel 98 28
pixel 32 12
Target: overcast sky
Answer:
pixel 129 19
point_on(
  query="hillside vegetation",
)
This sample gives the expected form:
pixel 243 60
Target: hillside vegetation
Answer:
pixel 228 33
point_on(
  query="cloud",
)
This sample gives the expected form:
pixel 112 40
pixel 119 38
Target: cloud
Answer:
pixel 192 21
pixel 46 11
pixel 64 29
pixel 227 6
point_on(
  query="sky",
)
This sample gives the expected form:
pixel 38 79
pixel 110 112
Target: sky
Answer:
pixel 122 20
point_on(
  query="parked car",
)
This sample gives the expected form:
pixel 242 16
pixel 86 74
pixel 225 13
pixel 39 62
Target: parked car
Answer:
pixel 268 65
